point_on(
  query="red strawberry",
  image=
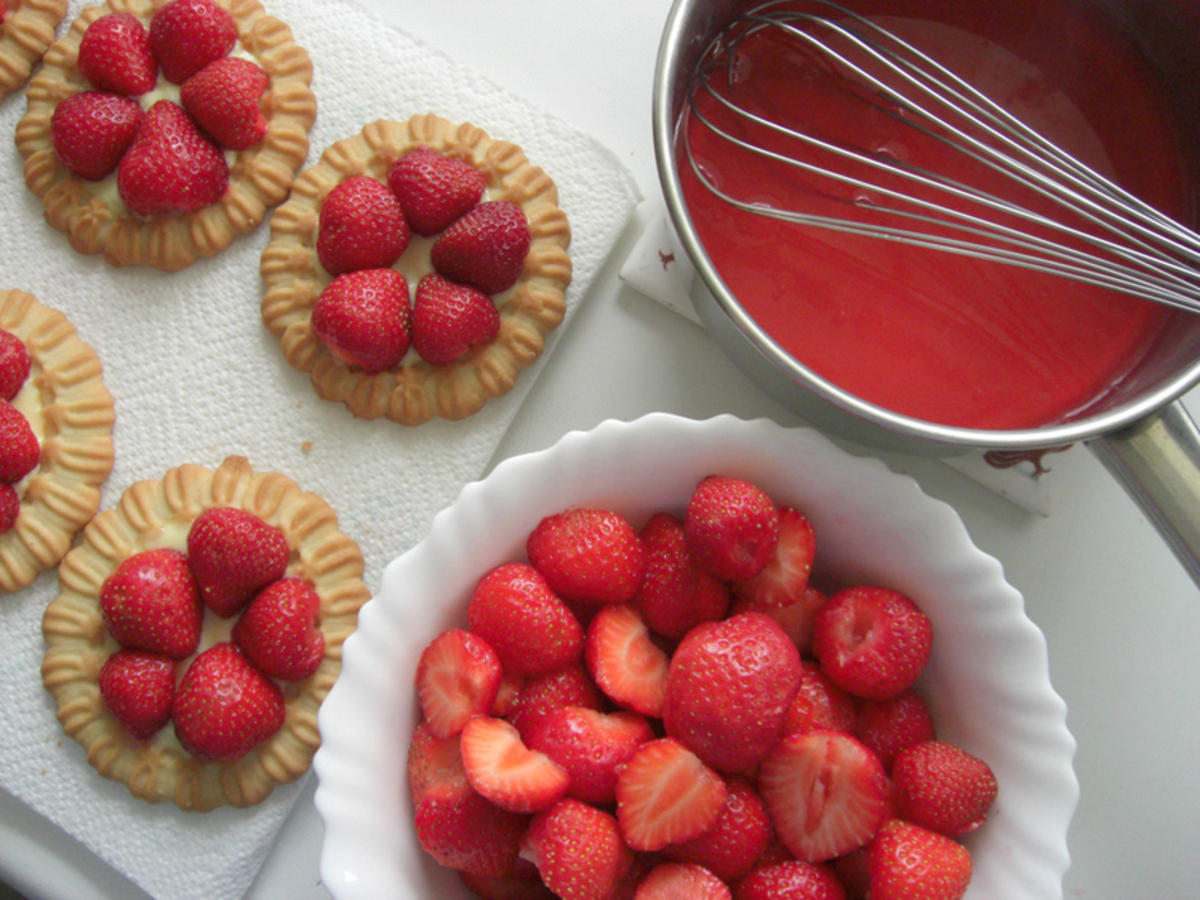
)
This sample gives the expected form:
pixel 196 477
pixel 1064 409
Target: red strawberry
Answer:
pixel 14 364
pixel 363 317
pixel 728 689
pixel 626 664
pixel 796 620
pixel 458 675
pixel 150 602
pixel 434 189
pixel 591 746
pixel 507 887
pixel 818 703
pixel 529 627
pixel 278 631
pixel 569 686
pixel 361 226
pixel 907 862
pixel 588 555
pixel 506 694
pixel 234 554
pixel 114 55
pixel 138 688
pixel 666 795
pixel 888 726
pixel 942 787
pixel 224 707
pixel 676 594
pixel 223 98
pixel 735 841
pixel 92 130
pixel 461 829
pixel 19 449
pixel 826 793
pixel 578 851
pixel 485 247
pixel 872 641
pixel 186 35
pixel 170 167
pixel 450 318
pixel 783 580
pixel 505 771
pixel 851 869
pixel 433 762
pixel 732 527
pixel 681 881
pixel 791 880
pixel 10 506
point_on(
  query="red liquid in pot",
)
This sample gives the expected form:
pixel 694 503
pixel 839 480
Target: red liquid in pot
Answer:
pixel 932 335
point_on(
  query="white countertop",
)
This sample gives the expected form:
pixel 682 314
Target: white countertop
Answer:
pixel 1120 615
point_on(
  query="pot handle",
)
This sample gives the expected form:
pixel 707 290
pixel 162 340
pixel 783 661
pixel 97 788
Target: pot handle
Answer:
pixel 1157 461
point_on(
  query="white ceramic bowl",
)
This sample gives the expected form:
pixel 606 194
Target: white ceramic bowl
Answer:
pixel 987 681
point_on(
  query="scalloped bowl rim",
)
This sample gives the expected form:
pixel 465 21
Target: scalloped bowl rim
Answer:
pixel 984 646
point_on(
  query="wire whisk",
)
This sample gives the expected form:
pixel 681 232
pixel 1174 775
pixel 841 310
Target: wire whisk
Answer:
pixel 1060 216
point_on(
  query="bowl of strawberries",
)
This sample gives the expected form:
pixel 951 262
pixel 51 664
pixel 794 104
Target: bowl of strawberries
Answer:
pixel 705 659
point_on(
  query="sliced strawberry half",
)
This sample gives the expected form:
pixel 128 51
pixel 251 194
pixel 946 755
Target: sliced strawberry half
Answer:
pixel 782 581
pixel 826 793
pixel 666 795
pixel 625 662
pixel 449 318
pixel 114 55
pixel 434 189
pixel 458 676
pixel 91 130
pixel 501 768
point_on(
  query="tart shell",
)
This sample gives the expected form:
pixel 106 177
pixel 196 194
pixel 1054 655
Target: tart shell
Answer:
pixel 415 391
pixel 75 419
pixel 27 31
pixel 156 514
pixel 97 220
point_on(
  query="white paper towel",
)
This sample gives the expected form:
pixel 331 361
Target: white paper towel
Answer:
pixel 196 377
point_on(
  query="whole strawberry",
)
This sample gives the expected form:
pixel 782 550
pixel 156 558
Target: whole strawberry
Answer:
pixel 676 594
pixel 186 35
pixel 791 879
pixel 223 98
pixel 485 247
pixel 449 318
pixel 224 706
pixel 434 189
pixel 908 862
pixel 459 828
pixel 170 167
pixel 578 851
pixel 942 787
pixel 361 226
pixel 92 130
pixel 114 55
pixel 671 880
pixel 539 695
pixel 591 746
pixel 150 602
pixel 364 318
pixel 19 448
pixel 10 506
pixel 735 841
pixel 889 726
pixel 14 364
pixel 728 689
pixel 138 688
pixel 233 555
pixel 732 527
pixel 278 631
pixel 588 554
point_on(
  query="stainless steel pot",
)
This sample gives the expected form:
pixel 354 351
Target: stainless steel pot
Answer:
pixel 1140 432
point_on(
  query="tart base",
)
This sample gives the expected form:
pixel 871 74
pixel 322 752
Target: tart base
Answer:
pixel 157 514
pixel 415 391
pixel 25 34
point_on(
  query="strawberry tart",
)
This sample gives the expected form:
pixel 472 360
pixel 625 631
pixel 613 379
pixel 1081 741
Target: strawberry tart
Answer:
pixel 56 448
pixel 26 30
pixel 416 269
pixel 198 628
pixel 157 131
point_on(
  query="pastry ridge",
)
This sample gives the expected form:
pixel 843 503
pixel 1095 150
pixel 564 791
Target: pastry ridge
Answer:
pixel 26 33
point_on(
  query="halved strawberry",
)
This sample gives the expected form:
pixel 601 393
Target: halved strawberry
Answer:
pixel 796 619
pixel 223 98
pixel 364 318
pixel 732 527
pixel 186 35
pixel 591 746
pixel 233 555
pixel 588 554
pixel 625 662
pixel 735 841
pixel 942 787
pixel 485 247
pixel 170 167
pixel 578 851
pixel 151 602
pixel 666 795
pixel 792 878
pixel 434 189
pixel 826 793
pixel 906 861
pixel 505 771
pixel 91 130
pixel 782 581
pixel 449 318
pixel 19 447
pixel 681 881
pixel 14 364
pixel 461 829
pixel 138 689
pixel 278 631
pixel 360 226
pixel 676 594
pixel 114 55
pixel 432 762
pixel 458 676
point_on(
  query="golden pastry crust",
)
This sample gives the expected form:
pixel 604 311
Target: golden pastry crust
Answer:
pixel 158 514
pixel 91 214
pixel 71 412
pixel 27 31
pixel 415 391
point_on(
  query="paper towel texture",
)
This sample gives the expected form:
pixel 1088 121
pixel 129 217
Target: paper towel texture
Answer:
pixel 197 377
